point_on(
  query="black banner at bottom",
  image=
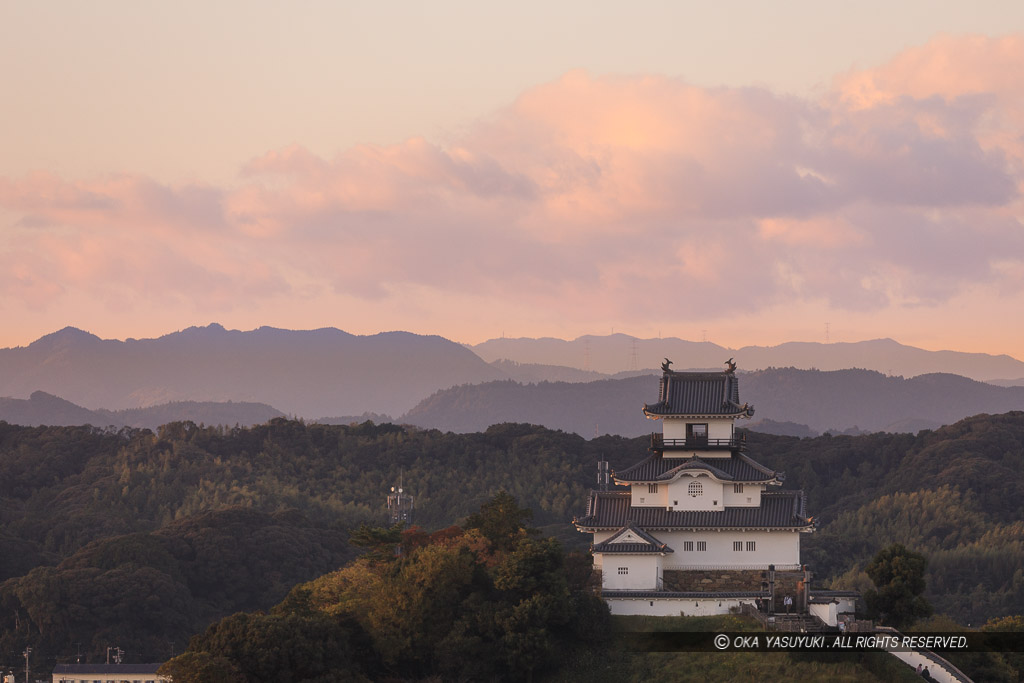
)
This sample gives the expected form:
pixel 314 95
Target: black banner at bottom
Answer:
pixel 729 641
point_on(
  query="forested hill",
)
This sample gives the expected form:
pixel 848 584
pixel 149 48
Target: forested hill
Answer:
pixel 185 525
pixel 839 400
pixel 43 409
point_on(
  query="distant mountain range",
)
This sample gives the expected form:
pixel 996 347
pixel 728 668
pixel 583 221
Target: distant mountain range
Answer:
pixel 617 352
pixel 45 409
pixel 305 373
pixel 787 401
pixel 588 385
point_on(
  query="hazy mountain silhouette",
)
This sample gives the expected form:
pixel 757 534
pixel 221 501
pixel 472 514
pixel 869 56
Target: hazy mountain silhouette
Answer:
pixel 617 352
pixel 45 409
pixel 839 401
pixel 306 373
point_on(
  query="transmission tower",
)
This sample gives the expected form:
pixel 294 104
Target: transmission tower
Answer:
pixel 400 504
pixel 634 362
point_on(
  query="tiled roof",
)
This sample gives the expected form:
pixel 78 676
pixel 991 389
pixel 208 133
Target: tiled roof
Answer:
pixel 691 595
pixel 778 510
pixel 699 393
pixel 737 468
pixel 819 596
pixel 652 545
pixel 106 668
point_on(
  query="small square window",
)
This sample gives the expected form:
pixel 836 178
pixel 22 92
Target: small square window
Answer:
pixel 623 570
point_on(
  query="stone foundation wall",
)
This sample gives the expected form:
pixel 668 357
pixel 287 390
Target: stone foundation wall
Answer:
pixel 714 580
pixel 722 580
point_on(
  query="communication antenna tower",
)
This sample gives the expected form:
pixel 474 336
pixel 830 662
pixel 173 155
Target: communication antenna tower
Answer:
pixel 828 338
pixel 634 362
pixel 400 503
pixel 586 355
pixel 703 335
pixel 603 475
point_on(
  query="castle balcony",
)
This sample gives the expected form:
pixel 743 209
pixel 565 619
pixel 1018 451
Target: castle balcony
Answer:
pixel 660 443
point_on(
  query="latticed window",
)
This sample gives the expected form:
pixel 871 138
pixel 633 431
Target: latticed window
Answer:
pixel 652 488
pixel 751 546
pixel 702 546
pixel 695 489
pixel 737 488
pixel 737 546
pixel 623 570
pixel 688 546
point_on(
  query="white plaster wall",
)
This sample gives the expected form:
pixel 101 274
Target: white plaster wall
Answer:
pixel 846 605
pixel 674 428
pixel 643 572
pixel 711 497
pixel 671 607
pixel 772 547
pixel 641 496
pixel 750 491
pixel 720 429
pixel 827 612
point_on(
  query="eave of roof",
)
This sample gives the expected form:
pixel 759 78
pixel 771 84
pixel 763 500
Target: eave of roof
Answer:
pixel 737 468
pixel 779 510
pixel 689 595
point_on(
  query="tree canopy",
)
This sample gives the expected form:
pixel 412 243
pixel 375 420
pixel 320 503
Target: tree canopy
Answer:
pixel 898 575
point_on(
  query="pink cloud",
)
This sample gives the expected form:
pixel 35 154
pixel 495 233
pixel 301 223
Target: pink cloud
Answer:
pixel 599 198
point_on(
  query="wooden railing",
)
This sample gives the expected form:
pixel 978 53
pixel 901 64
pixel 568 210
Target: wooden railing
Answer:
pixel 660 443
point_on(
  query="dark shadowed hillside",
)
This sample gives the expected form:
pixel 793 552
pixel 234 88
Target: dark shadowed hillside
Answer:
pixel 841 400
pixel 610 406
pixel 43 409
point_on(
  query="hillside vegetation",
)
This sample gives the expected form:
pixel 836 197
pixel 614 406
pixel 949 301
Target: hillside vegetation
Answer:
pixel 140 539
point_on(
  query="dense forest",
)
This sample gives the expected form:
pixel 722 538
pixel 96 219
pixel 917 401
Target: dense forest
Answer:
pixel 141 539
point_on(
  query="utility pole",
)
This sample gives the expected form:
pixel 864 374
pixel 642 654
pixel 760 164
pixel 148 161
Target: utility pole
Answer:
pixel 28 651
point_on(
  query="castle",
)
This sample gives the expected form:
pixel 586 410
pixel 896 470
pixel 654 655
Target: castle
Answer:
pixel 701 527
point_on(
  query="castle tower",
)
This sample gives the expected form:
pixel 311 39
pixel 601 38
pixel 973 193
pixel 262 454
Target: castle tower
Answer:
pixel 697 527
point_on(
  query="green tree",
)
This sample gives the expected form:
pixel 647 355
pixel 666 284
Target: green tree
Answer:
pixel 201 667
pixel 898 575
pixel 502 521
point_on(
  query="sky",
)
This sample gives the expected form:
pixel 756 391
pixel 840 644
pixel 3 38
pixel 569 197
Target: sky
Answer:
pixel 745 173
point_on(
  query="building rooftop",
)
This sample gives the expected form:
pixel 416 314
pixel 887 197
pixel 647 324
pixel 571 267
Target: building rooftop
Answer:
pixel 778 510
pixel 106 668
pixel 710 394
pixel 640 542
pixel 736 468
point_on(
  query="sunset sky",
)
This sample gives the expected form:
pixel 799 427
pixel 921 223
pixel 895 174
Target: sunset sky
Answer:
pixel 746 172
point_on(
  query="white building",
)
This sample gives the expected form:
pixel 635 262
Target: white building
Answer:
pixel 699 527
pixel 107 673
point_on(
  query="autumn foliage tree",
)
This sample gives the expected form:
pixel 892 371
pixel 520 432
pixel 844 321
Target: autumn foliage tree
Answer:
pixel 456 604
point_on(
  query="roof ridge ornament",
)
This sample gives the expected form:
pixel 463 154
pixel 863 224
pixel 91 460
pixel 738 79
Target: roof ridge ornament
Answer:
pixel 731 366
pixel 665 366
